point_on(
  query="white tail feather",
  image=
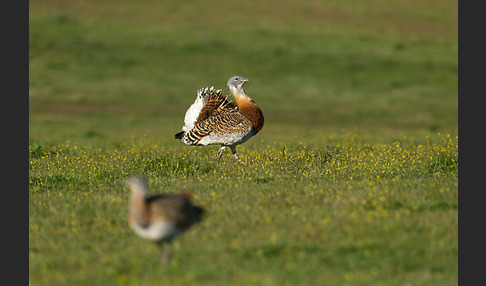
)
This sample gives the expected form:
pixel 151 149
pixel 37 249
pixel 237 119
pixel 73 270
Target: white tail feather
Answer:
pixel 193 111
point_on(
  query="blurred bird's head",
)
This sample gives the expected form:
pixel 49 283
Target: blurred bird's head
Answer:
pixel 235 85
pixel 137 184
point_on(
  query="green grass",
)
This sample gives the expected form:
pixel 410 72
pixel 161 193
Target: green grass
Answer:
pixel 354 213
pixel 352 181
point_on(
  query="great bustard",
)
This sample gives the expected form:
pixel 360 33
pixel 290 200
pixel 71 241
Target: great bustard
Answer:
pixel 160 218
pixel 213 120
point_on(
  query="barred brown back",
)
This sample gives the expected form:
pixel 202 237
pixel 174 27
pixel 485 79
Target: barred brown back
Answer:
pixel 215 103
pixel 225 123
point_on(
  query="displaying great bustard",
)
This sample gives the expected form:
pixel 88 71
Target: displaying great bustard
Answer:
pixel 213 120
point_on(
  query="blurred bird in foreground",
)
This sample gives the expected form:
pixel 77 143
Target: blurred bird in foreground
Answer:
pixel 213 120
pixel 160 218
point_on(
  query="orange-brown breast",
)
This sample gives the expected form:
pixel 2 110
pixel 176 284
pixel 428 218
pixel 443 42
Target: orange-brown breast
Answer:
pixel 248 108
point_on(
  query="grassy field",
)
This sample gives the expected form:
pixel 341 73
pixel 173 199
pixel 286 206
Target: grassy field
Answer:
pixel 352 181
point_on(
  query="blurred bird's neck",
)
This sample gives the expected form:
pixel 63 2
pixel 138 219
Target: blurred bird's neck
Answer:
pixel 139 212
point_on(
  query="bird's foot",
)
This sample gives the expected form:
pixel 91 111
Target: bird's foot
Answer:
pixel 165 254
pixel 238 159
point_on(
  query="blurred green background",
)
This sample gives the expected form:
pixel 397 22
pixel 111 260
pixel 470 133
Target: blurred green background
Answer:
pixel 109 71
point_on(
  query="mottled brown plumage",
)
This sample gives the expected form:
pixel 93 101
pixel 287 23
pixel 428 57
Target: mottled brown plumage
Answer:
pixel 215 103
pixel 212 119
pixel 160 218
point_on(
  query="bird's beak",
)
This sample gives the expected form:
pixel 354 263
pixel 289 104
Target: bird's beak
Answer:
pixel 245 79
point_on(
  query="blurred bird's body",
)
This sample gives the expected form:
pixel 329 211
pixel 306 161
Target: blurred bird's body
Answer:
pixel 213 120
pixel 160 218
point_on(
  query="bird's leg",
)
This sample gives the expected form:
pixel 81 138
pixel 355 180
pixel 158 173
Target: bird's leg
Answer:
pixel 220 152
pixel 165 252
pixel 233 150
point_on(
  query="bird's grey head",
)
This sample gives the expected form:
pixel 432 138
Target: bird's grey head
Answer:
pixel 235 84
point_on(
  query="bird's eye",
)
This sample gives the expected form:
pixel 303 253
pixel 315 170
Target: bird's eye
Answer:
pixel 237 78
